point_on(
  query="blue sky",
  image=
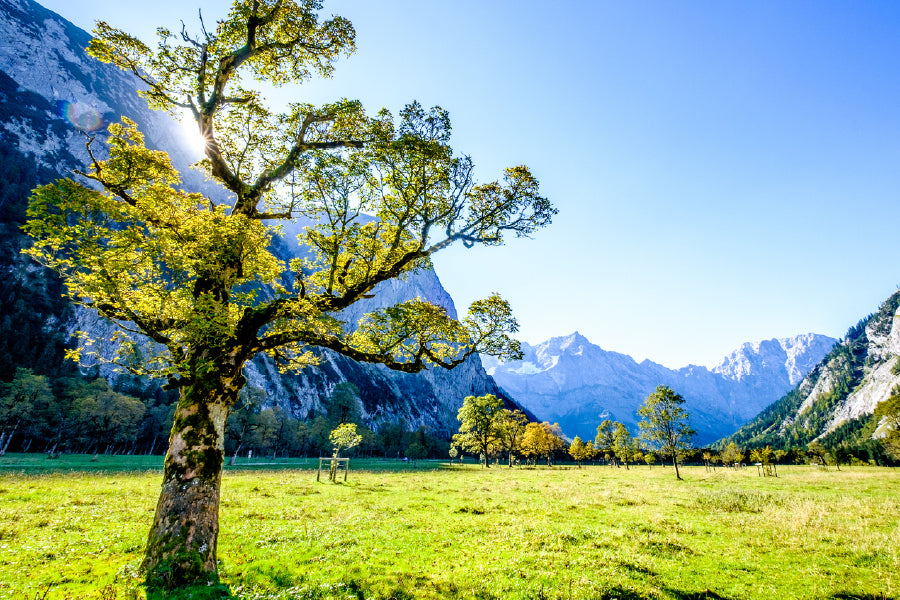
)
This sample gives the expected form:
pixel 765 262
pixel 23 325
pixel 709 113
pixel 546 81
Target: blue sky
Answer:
pixel 725 172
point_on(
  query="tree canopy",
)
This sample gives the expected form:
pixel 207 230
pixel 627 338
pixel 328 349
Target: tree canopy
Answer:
pixel 542 439
pixel 664 424
pixel 479 425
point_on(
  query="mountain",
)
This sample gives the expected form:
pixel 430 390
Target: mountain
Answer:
pixel 578 384
pixel 51 96
pixel 837 399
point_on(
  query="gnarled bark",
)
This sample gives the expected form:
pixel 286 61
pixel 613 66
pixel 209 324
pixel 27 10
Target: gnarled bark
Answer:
pixel 181 547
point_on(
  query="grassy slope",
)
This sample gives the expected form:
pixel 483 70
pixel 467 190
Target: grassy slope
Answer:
pixel 465 532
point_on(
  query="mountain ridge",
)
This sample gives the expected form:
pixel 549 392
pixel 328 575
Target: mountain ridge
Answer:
pixel 837 399
pixel 577 383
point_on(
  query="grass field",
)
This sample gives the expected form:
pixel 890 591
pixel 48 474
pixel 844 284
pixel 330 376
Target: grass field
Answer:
pixel 71 528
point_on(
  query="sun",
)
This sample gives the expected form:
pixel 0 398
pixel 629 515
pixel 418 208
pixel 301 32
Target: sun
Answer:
pixel 190 135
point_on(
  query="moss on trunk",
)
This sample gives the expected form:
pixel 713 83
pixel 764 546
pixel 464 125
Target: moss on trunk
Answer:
pixel 181 547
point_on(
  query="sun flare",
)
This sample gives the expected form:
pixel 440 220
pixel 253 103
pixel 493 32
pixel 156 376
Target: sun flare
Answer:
pixel 191 136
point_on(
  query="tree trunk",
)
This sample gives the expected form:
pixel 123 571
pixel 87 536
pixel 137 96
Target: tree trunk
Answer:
pixel 675 462
pixel 5 444
pixel 235 455
pixel 181 547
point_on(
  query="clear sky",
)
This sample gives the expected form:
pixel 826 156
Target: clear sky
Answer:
pixel 725 172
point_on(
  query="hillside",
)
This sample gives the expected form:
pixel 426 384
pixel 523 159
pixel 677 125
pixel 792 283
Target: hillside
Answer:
pixel 837 399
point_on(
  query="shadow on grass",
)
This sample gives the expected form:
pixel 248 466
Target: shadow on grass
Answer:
pixel 620 593
pixel 193 592
pixel 702 595
pixel 359 590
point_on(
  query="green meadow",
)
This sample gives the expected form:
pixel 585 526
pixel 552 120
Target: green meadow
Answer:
pixel 72 528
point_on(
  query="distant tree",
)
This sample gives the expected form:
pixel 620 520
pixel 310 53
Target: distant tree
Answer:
pixel 510 431
pixel 542 439
pixel 453 452
pixel 763 455
pixel 479 419
pixel 732 455
pixel 707 456
pixel 638 456
pixel 285 435
pixel 390 439
pixel 416 451
pixel 842 455
pixel 816 453
pixel 263 435
pixel 18 402
pixel 623 444
pixel 157 425
pixel 369 444
pixel 891 443
pixel 240 423
pixel 343 404
pixel 605 439
pixel 888 415
pixel 664 424
pixel 650 458
pixel 576 450
pixel 106 418
pixel 344 437
pixel 581 451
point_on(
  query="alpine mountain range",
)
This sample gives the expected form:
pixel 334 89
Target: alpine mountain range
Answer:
pixel 576 383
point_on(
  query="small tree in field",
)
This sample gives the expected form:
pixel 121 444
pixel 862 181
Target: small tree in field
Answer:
pixel 415 451
pixel 478 425
pixel 623 444
pixel 344 437
pixel 542 439
pixel 664 424
pixel 580 451
pixel 732 455
pixel 762 455
pixel 195 275
pixel 453 452
pixel 604 440
pixel 510 431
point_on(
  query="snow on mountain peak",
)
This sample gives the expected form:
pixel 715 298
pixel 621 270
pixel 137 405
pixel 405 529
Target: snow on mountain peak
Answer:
pixel 570 380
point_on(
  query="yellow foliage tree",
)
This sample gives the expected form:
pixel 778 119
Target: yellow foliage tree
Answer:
pixel 196 276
